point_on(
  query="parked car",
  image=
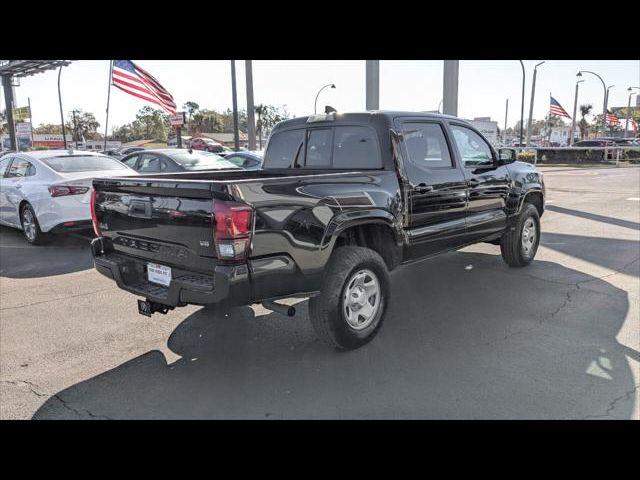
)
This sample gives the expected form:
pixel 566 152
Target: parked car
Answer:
pixel 206 144
pixel 600 143
pixel 49 191
pixel 168 160
pixel 341 201
pixel 246 160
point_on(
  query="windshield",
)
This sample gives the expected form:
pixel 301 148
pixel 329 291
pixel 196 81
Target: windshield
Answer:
pixel 198 160
pixel 78 163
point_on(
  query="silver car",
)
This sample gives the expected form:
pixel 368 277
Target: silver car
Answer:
pixel 49 191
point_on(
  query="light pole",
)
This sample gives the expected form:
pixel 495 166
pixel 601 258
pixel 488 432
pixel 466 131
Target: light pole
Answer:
pixel 575 112
pixel 315 105
pixel 604 103
pixel 606 106
pixel 533 93
pixel 626 126
pixel 64 135
pixel 522 103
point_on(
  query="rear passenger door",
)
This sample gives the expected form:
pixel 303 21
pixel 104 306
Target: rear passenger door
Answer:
pixel 436 191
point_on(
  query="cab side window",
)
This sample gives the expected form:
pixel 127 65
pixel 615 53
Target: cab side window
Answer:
pixel 426 145
pixel 151 163
pixel 474 150
pixel 21 168
pixel 3 166
pixel 131 161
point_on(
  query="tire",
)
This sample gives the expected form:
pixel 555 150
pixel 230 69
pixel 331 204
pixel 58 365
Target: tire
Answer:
pixel 355 272
pixel 31 227
pixel 515 252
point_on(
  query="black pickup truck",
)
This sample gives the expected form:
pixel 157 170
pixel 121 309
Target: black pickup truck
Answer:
pixel 342 200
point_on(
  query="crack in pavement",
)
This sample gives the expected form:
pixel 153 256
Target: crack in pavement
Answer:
pixel 32 388
pixel 58 299
pixel 565 303
pixel 613 403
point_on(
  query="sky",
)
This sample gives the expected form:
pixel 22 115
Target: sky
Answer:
pixel 484 86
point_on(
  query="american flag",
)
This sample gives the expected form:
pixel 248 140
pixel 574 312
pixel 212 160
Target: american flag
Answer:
pixel 130 78
pixel 556 109
pixel 611 118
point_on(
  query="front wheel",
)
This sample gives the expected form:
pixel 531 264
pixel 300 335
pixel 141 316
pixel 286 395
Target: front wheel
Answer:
pixel 353 299
pixel 520 243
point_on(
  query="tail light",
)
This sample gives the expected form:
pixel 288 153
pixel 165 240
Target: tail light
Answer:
pixel 232 233
pixel 94 217
pixel 64 190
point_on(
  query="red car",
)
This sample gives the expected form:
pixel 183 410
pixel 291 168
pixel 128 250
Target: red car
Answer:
pixel 206 144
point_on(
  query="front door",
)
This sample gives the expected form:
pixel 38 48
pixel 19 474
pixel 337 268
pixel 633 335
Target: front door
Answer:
pixel 436 191
pixel 488 184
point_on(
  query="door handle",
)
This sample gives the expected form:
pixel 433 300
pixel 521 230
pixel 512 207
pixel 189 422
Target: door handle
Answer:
pixel 474 183
pixel 18 186
pixel 423 188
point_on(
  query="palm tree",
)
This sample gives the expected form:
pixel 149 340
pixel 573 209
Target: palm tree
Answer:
pixel 583 124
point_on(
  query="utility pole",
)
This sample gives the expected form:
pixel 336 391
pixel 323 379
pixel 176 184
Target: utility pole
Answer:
pixel 251 123
pixel 450 87
pixel 506 111
pixel 533 93
pixel 64 135
pixel 75 128
pixel 234 98
pixel 372 73
pixel 522 103
pixel 8 102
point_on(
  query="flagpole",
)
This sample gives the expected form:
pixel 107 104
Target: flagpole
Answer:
pixel 106 123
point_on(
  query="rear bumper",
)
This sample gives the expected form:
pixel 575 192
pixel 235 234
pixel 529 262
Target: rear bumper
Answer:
pixel 227 284
pixel 72 226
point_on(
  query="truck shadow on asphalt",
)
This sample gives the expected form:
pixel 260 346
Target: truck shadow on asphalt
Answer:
pixel 465 337
pixel 63 254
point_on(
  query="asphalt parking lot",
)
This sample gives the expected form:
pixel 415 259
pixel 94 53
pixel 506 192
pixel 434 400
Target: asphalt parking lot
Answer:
pixel 465 337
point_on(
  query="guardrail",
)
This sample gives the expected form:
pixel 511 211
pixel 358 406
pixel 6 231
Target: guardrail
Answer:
pixel 579 155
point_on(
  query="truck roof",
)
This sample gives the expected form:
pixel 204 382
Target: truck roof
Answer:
pixel 369 116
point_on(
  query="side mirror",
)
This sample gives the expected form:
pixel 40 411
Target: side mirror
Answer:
pixel 506 156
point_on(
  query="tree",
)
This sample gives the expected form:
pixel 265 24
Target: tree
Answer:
pixel 268 117
pixel 48 128
pixel 583 124
pixel 84 125
pixel 3 120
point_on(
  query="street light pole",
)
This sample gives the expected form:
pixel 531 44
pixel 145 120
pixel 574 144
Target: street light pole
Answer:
pixel 575 112
pixel 504 134
pixel 626 126
pixel 606 106
pixel 64 135
pixel 604 103
pixel 533 93
pixel 522 103
pixel 315 104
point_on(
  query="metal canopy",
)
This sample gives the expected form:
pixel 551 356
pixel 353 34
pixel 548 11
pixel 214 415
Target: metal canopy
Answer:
pixel 25 68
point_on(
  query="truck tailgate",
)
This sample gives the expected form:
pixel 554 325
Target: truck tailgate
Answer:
pixel 165 221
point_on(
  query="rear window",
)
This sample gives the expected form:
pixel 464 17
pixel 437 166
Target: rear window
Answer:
pixel 283 148
pixel 198 160
pixel 338 147
pixel 79 163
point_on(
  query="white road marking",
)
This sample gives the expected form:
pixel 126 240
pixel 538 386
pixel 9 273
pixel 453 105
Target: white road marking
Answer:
pixel 635 199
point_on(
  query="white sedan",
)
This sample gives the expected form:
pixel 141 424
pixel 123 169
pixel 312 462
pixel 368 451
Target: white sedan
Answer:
pixel 49 191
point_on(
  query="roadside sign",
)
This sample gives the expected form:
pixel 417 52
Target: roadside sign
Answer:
pixel 178 120
pixel 21 113
pixel 23 130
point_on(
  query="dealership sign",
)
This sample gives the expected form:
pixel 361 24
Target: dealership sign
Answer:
pixel 23 130
pixel 178 119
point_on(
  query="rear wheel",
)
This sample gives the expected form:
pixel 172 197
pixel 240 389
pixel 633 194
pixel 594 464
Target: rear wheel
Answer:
pixel 520 244
pixel 353 299
pixel 31 227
